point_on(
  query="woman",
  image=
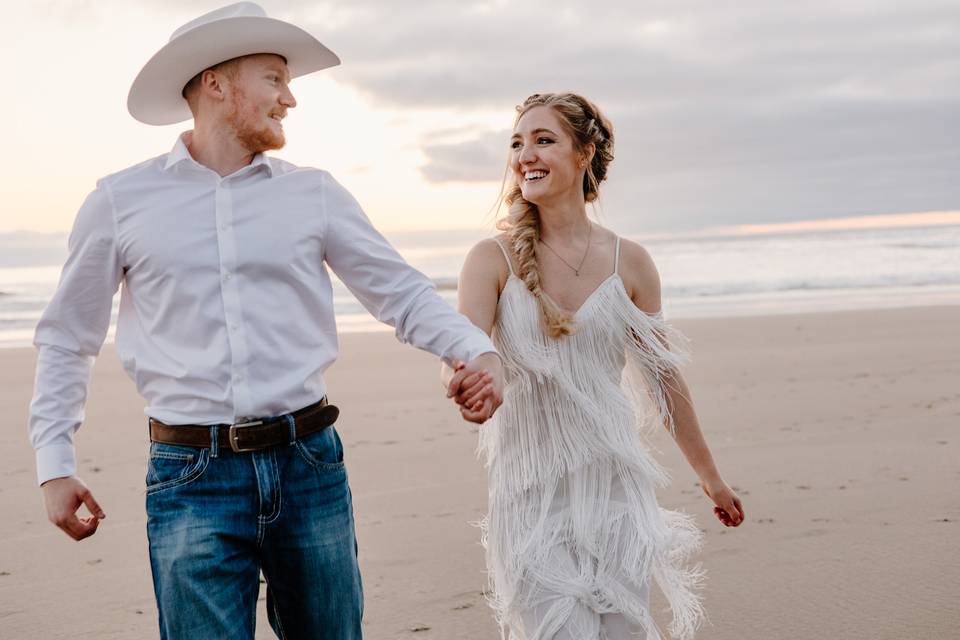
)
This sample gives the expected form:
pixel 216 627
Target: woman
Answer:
pixel 573 532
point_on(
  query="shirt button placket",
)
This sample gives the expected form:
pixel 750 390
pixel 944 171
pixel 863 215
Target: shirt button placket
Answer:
pixel 230 293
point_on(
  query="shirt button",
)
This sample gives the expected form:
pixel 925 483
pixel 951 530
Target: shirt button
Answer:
pixel 227 276
pixel 233 327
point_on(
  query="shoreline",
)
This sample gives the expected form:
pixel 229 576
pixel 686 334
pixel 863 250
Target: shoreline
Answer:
pixel 752 307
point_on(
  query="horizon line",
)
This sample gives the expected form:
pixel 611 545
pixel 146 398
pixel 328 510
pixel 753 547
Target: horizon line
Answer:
pixel 872 221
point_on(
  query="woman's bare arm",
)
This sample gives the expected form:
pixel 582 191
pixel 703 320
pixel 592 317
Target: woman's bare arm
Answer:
pixel 643 284
pixel 482 277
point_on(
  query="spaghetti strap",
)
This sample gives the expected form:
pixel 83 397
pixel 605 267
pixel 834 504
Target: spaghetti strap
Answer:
pixel 616 258
pixel 506 256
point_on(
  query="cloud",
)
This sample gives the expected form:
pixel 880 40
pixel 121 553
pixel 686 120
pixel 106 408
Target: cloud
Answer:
pixel 725 112
pixel 479 159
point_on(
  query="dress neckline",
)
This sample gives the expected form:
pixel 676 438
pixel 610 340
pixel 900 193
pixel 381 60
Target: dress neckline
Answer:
pixel 583 305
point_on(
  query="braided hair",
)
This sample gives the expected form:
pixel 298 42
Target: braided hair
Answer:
pixel 585 124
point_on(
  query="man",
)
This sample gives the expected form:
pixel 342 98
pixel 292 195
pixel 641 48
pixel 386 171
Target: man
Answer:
pixel 226 326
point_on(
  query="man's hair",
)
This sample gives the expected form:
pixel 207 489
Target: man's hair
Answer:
pixel 229 68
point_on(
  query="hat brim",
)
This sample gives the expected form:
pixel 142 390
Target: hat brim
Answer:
pixel 155 96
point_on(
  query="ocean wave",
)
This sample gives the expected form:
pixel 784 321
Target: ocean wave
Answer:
pixel 446 284
pixel 760 288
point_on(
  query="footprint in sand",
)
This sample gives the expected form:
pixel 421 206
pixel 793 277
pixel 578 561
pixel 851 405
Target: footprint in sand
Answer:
pixel 802 487
pixel 461 607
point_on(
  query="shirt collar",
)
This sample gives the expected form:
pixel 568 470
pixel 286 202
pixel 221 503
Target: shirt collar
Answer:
pixel 180 153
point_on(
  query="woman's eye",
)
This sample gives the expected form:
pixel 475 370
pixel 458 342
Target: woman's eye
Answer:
pixel 544 141
pixel 515 144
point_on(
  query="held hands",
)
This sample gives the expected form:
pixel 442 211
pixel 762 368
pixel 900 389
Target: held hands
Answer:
pixel 477 387
pixel 63 496
pixel 728 509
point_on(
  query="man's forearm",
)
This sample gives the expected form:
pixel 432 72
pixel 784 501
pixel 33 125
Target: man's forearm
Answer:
pixel 56 410
pixel 433 325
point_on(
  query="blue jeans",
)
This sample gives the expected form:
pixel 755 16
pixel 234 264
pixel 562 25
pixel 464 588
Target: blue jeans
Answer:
pixel 216 519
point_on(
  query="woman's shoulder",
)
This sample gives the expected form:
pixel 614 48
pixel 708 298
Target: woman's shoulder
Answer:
pixel 640 275
pixel 489 257
pixel 489 248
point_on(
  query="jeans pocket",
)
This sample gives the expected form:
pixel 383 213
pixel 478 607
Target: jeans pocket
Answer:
pixel 322 450
pixel 172 466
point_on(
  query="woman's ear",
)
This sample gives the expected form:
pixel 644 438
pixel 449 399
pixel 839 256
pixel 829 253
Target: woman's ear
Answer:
pixel 586 156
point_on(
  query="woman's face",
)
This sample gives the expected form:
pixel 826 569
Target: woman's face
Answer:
pixel 543 158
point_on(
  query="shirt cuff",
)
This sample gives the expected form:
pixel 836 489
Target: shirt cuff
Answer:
pixel 56 461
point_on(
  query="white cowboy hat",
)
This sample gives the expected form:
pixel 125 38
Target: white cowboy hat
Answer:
pixel 236 30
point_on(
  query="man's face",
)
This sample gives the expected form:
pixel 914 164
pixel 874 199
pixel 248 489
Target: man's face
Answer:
pixel 258 98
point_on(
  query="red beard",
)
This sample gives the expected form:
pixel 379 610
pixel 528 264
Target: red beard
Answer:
pixel 253 136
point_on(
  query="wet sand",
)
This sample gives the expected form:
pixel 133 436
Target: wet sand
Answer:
pixel 841 432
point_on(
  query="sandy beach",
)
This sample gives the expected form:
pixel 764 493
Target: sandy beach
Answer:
pixel 841 432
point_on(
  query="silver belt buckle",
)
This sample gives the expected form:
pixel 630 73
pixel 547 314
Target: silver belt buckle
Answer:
pixel 232 435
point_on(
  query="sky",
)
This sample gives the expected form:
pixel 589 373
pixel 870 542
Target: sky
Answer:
pixel 745 114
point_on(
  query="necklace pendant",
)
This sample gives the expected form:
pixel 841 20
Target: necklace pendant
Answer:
pixel 577 273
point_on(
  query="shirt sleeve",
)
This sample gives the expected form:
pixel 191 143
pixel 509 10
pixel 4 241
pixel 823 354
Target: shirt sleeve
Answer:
pixel 389 288
pixel 70 333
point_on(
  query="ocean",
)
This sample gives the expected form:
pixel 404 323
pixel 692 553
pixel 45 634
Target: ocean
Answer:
pixel 702 276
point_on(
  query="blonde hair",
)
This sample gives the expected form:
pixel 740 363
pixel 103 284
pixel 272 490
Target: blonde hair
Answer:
pixel 585 124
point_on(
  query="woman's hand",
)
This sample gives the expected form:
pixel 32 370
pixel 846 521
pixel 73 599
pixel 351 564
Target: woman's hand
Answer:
pixel 477 387
pixel 728 508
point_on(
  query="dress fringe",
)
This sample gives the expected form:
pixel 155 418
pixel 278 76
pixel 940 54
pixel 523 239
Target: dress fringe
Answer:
pixel 573 518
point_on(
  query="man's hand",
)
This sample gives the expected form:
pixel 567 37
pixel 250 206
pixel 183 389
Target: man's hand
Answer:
pixel 477 387
pixel 63 496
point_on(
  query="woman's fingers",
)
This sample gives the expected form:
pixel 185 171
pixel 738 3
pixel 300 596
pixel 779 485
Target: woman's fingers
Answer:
pixel 723 516
pixel 483 394
pixel 480 414
pixel 475 391
pixel 739 505
pixel 732 514
pixel 461 380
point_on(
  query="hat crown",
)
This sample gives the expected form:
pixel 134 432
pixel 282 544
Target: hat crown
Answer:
pixel 236 10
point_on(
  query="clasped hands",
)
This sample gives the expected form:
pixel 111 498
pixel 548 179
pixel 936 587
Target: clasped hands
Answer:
pixel 477 387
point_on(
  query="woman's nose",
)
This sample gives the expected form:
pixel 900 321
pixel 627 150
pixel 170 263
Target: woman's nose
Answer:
pixel 527 154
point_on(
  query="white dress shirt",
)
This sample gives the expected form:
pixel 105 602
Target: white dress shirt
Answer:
pixel 226 310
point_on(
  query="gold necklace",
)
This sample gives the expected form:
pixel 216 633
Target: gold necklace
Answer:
pixel 576 270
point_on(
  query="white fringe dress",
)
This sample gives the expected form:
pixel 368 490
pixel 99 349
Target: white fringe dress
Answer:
pixel 574 532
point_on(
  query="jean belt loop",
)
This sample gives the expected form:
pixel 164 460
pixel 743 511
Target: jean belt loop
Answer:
pixel 214 443
pixel 293 428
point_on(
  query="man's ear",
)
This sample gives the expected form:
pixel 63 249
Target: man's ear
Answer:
pixel 213 83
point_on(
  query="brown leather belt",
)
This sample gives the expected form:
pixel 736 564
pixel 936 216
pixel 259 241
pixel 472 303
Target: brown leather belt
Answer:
pixel 249 436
